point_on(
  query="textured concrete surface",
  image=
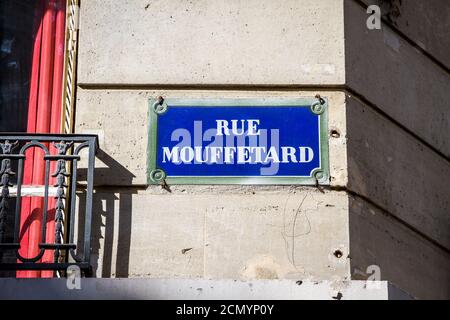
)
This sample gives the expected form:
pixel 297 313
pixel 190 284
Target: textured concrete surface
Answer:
pixel 397 78
pixel 203 42
pixel 119 117
pixel 131 50
pixel 193 289
pixel 394 170
pixel 424 22
pixel 221 233
pixel 404 257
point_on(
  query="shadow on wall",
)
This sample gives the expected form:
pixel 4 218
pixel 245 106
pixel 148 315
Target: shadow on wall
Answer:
pixel 395 185
pixel 109 204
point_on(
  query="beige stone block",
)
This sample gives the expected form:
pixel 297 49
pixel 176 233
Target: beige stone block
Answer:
pixel 138 235
pixel 291 235
pixel 227 232
pixel 211 42
pixel 119 117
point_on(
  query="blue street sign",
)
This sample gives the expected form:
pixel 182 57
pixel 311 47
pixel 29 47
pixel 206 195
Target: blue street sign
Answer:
pixel 238 141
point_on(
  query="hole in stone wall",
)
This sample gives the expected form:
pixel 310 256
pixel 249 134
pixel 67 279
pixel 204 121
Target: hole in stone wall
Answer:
pixel 338 254
pixel 335 133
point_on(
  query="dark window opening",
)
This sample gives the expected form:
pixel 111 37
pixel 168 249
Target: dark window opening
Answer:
pixel 18 25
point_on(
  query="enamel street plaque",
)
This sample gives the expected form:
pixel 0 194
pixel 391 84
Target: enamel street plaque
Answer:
pixel 238 141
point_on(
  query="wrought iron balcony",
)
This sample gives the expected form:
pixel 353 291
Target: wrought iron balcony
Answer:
pixel 55 159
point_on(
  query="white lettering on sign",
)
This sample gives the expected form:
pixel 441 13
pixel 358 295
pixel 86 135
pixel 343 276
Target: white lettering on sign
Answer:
pixel 251 125
pixel 235 142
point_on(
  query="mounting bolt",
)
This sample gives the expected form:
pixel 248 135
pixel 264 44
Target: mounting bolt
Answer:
pixel 160 106
pixel 321 100
pixel 318 107
pixel 158 175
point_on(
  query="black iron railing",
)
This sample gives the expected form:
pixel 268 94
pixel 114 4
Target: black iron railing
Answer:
pixel 60 157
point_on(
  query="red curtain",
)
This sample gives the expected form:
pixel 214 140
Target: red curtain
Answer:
pixel 44 116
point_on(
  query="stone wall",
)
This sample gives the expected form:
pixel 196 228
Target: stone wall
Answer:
pixel 387 204
pixel 398 125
